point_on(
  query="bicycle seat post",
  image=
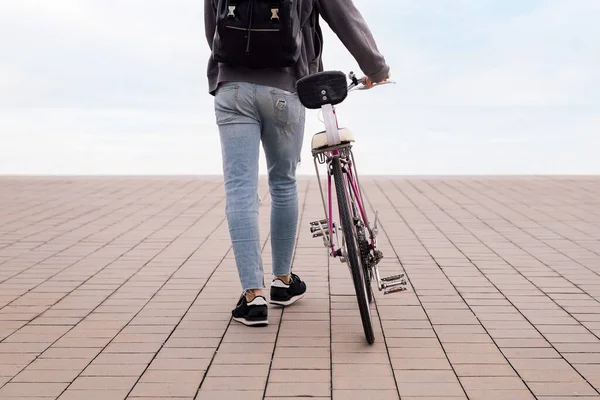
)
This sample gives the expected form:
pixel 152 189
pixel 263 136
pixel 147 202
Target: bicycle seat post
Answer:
pixel 331 126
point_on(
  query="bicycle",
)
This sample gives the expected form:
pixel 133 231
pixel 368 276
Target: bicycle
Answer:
pixel 356 242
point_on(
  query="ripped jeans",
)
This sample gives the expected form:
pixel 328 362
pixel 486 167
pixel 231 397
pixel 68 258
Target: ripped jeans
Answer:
pixel 248 114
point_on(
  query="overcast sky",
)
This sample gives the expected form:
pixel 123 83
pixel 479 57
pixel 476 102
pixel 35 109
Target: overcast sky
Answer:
pixel 484 87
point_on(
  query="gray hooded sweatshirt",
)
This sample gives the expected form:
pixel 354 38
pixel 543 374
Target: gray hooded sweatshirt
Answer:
pixel 343 18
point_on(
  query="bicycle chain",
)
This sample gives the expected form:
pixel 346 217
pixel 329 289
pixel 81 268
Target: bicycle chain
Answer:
pixel 364 247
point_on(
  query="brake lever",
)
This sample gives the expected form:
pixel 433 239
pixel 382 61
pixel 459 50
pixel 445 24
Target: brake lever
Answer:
pixel 388 82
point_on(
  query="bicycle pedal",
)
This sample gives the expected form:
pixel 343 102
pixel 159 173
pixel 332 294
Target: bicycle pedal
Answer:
pixel 320 222
pixel 314 229
pixel 392 278
pixel 390 284
pixel 320 234
pixel 395 289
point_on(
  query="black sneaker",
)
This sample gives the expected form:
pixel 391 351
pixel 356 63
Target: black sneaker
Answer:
pixel 283 294
pixel 254 313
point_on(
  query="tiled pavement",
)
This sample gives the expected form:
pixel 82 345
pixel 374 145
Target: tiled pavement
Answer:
pixel 114 288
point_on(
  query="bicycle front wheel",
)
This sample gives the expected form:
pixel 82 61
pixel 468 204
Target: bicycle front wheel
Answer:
pixel 352 251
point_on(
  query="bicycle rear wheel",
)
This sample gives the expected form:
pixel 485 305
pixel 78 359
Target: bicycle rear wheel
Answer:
pixel 352 251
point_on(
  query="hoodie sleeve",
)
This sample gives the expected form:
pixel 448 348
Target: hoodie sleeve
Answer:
pixel 348 24
pixel 210 16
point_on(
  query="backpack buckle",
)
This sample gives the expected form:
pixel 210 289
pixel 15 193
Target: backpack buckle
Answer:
pixel 231 14
pixel 274 14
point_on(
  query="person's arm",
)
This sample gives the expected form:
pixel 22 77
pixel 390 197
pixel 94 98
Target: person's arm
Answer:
pixel 348 24
pixel 210 15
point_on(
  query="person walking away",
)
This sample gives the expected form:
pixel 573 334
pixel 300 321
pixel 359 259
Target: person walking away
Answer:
pixel 259 49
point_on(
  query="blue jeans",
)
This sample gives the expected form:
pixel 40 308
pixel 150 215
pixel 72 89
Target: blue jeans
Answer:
pixel 248 114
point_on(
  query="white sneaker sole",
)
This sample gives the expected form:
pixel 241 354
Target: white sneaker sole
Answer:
pixel 289 302
pixel 251 323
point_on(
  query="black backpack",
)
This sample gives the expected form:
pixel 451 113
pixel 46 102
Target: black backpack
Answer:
pixel 257 33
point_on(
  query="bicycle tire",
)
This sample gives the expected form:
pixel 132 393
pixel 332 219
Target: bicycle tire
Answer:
pixel 352 256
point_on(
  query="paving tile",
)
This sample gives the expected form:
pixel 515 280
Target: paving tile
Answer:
pixel 569 397
pixel 421 364
pixel 26 389
pixel 479 370
pixel 464 338
pixel 71 353
pixel 474 358
pixel 588 369
pixel 104 394
pixel 492 383
pixel 230 395
pixel 47 375
pixel 189 353
pixel 360 358
pixel 439 389
pixel 540 364
pixel 182 364
pixel 357 383
pixel 237 383
pixel 582 358
pixel 495 394
pixel 413 342
pixel 58 364
pixel 435 398
pixel 164 389
pixel 322 376
pixel 261 370
pixel 123 358
pixel 296 398
pixel 160 398
pixel 242 348
pixel 133 348
pixel 101 382
pixel 577 347
pixel 315 389
pixel 409 333
pixel 10 370
pixel 96 369
pixel 417 353
pixel 443 376
pixel 470 348
pixel 546 375
pixel 365 395
pixel 562 388
pixel 522 343
pixel 361 370
pixel 250 359
pixel 532 353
